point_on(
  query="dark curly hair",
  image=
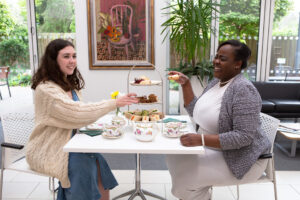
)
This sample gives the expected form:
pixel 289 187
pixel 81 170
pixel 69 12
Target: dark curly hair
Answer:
pixel 49 69
pixel 242 51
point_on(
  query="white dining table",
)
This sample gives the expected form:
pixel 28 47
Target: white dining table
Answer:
pixel 128 143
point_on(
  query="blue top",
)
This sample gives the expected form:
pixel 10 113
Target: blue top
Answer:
pixel 83 175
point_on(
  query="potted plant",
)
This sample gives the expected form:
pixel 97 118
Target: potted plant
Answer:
pixel 189 28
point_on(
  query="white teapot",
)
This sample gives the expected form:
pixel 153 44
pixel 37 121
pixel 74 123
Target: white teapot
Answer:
pixel 145 131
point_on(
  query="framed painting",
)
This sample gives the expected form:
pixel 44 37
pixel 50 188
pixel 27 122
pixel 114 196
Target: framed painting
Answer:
pixel 121 34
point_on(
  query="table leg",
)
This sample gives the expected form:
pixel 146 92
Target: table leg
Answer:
pixel 138 191
pixel 293 148
pixel 284 150
pixel 153 195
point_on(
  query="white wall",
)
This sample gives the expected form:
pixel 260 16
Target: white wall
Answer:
pixel 100 83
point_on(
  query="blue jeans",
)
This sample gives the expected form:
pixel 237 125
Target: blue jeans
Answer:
pixel 83 177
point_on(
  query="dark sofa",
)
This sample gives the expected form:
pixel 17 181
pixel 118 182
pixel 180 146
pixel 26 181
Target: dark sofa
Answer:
pixel 280 99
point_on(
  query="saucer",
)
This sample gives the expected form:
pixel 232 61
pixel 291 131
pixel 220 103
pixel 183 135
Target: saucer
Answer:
pixel 173 135
pixel 108 136
pixel 95 126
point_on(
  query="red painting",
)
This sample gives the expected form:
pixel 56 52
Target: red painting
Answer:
pixel 121 33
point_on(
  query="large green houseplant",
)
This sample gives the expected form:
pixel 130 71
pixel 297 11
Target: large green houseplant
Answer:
pixel 189 28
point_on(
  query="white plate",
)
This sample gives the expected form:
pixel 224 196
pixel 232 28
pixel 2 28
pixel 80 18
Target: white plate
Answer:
pixel 153 82
pixel 158 102
pixel 95 126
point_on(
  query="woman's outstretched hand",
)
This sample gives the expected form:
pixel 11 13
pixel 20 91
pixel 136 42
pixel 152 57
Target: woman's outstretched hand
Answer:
pixel 191 140
pixel 127 99
pixel 178 77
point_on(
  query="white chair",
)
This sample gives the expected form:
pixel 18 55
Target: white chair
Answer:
pixel 269 125
pixel 17 127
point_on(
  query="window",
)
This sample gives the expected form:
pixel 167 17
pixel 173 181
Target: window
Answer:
pixel 285 53
pixel 54 19
pixel 14 49
pixel 240 21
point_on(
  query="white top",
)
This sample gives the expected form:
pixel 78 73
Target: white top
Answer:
pixel 129 144
pixel 207 109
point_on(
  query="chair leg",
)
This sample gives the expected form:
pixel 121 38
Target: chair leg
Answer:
pixel 2 172
pixel 52 186
pixel 132 46
pixel 237 192
pixel 1 184
pixel 109 49
pixel 274 181
pixel 126 50
pixel 8 87
pixel 0 95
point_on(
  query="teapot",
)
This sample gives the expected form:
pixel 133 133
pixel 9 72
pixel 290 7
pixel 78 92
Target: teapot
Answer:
pixel 145 131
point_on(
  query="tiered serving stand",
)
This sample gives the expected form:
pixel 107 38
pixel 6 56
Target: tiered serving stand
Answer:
pixel 138 191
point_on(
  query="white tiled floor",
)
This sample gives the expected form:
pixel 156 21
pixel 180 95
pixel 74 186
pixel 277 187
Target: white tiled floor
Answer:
pixel 21 186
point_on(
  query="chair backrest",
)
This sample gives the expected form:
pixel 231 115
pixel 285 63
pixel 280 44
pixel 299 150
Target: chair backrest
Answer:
pixel 17 127
pixel 121 15
pixel 269 126
pixel 4 72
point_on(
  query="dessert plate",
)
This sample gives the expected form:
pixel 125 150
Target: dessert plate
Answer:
pixel 153 82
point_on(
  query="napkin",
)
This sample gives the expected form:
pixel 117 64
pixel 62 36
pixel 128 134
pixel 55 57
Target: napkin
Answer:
pixel 91 132
pixel 173 120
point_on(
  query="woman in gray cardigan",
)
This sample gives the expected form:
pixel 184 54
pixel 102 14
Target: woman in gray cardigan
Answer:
pixel 228 117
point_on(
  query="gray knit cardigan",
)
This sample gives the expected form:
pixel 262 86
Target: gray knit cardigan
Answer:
pixel 241 137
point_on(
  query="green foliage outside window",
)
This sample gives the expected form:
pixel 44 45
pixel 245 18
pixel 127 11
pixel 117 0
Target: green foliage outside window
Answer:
pixel 22 79
pixel 6 21
pixel 56 16
pixel 241 17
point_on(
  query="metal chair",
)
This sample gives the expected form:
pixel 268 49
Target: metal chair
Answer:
pixel 269 125
pixel 17 127
pixel 4 71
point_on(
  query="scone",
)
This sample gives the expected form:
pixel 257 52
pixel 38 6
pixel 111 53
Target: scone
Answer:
pixel 174 77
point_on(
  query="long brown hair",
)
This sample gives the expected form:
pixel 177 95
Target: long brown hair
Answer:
pixel 49 69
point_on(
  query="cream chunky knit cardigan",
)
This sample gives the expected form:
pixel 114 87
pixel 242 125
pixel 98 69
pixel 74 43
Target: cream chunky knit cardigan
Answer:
pixel 55 117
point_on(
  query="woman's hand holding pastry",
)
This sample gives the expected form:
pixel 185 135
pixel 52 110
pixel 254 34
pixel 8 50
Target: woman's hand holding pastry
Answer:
pixel 191 140
pixel 127 99
pixel 178 77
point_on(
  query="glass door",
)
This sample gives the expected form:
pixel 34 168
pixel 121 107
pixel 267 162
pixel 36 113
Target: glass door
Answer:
pixel 285 54
pixel 14 49
pixel 50 19
pixel 240 20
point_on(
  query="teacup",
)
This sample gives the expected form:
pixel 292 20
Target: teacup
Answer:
pixel 112 130
pixel 118 121
pixel 145 131
pixel 172 129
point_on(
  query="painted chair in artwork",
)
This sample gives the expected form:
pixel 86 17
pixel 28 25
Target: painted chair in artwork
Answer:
pixel 121 20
